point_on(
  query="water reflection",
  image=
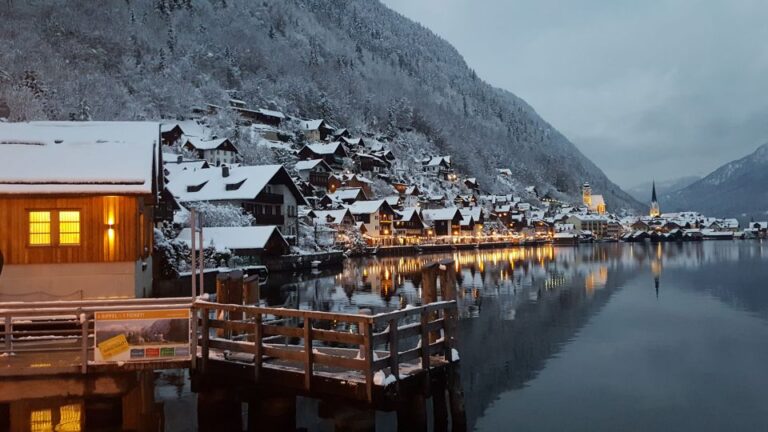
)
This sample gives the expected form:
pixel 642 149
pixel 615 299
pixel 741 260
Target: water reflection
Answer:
pixel 522 306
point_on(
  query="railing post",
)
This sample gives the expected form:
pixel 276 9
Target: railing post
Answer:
pixel 424 339
pixel 205 335
pixel 193 336
pixel 308 366
pixel 394 361
pixel 368 347
pixel 8 334
pixel 257 333
pixel 83 317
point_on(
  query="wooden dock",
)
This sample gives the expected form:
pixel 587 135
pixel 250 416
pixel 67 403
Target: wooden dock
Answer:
pixel 266 357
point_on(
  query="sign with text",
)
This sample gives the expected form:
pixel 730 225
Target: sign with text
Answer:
pixel 136 336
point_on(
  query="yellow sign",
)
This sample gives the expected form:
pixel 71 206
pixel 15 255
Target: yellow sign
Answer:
pixel 139 315
pixel 113 346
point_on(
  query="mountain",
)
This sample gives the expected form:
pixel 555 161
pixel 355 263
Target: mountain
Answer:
pixel 736 189
pixel 354 63
pixel 642 192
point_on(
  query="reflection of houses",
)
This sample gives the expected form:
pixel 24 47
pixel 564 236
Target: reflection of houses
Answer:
pixel 252 242
pixel 376 216
pixel 215 151
pixel 333 153
pixel 314 171
pixel 445 221
pixel 265 191
pixel 76 209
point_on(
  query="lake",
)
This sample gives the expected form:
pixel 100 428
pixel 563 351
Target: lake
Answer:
pixel 598 337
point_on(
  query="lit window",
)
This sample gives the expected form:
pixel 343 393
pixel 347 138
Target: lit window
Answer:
pixel 69 227
pixel 41 420
pixel 40 228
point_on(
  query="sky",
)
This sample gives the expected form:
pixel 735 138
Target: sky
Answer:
pixel 646 89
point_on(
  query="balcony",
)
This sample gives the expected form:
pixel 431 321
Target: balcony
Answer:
pixel 266 219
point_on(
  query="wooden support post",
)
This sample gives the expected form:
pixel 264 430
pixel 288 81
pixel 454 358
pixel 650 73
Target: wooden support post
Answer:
pixel 439 407
pixel 456 398
pixel 205 333
pixel 274 413
pixel 259 349
pixel 139 405
pixel 424 340
pixel 84 341
pixel 368 346
pixel 394 361
pixel 308 354
pixel 218 410
pixel 222 296
pixel 8 334
pixel 193 337
pixel 412 415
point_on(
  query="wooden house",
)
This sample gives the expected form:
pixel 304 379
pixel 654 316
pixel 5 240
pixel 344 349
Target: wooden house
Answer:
pixel 215 151
pixel 254 243
pixel 315 130
pixel 315 171
pixel 76 209
pixel 170 133
pixel 370 163
pixel 444 221
pixel 333 153
pixel 266 191
pixel 343 195
pixel 409 226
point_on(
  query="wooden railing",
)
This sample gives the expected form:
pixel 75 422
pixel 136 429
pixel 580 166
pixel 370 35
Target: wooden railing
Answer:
pixel 259 331
pixel 60 334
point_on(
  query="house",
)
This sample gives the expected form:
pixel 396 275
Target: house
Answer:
pixel 314 171
pixel 410 195
pixel 261 116
pixel 376 218
pixel 333 218
pixel 265 191
pixel 358 181
pixel 173 163
pixel 170 133
pixel 471 183
pixel 587 222
pixel 342 196
pixel 252 242
pixel 409 226
pixel 340 133
pixel 370 163
pixel 76 209
pixel 214 151
pixel 472 220
pixel 439 166
pixel 333 153
pixel 444 221
pixel 315 130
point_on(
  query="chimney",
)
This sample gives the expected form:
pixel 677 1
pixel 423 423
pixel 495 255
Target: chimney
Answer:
pixel 180 159
pixel 224 171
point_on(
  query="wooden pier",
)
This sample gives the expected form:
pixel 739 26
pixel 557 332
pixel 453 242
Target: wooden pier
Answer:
pixel 354 364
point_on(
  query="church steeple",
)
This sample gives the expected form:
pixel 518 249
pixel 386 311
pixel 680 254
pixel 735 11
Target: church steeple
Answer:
pixel 655 211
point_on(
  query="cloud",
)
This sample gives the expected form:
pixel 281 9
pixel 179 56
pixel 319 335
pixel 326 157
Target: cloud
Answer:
pixel 677 85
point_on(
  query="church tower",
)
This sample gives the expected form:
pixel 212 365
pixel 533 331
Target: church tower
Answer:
pixel 655 211
pixel 586 194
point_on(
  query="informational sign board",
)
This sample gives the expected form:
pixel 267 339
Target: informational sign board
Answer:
pixel 142 336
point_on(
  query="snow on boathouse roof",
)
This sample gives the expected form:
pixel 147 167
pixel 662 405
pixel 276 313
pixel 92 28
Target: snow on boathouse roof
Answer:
pixel 236 238
pixel 65 157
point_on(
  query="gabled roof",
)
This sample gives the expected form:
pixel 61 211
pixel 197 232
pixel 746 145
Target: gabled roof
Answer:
pixel 243 183
pixel 270 113
pixel 442 214
pixel 324 149
pixel 310 164
pixel 236 238
pixel 79 157
pixel 308 125
pixel 346 194
pixel 331 217
pixel 214 144
pixel 368 207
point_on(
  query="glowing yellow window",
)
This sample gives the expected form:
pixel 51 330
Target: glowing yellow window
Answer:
pixel 69 227
pixel 40 228
pixel 41 420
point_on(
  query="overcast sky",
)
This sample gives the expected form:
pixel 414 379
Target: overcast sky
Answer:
pixel 646 89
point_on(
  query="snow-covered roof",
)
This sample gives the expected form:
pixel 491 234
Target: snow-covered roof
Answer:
pixel 393 200
pixel 213 144
pixel 324 149
pixel 271 113
pixel 235 238
pixel 407 212
pixel 308 125
pixel 437 160
pixel 366 207
pixel 439 214
pixel 308 164
pixel 174 167
pixel 342 194
pixel 243 183
pixel 330 217
pixel 78 157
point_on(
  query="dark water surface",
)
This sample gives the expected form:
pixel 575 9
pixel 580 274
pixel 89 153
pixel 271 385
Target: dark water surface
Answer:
pixel 605 337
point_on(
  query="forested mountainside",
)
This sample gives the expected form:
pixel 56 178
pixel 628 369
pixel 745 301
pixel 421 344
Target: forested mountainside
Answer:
pixel 354 63
pixel 738 188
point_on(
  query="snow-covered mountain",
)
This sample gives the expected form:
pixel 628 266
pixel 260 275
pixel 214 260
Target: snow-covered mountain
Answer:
pixel 354 63
pixel 642 192
pixel 738 188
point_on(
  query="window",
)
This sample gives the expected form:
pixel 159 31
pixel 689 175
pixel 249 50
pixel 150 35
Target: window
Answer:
pixel 40 228
pixel 69 228
pixel 46 225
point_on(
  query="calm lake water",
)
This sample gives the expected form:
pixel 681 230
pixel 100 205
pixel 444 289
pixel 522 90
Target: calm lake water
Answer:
pixel 602 337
